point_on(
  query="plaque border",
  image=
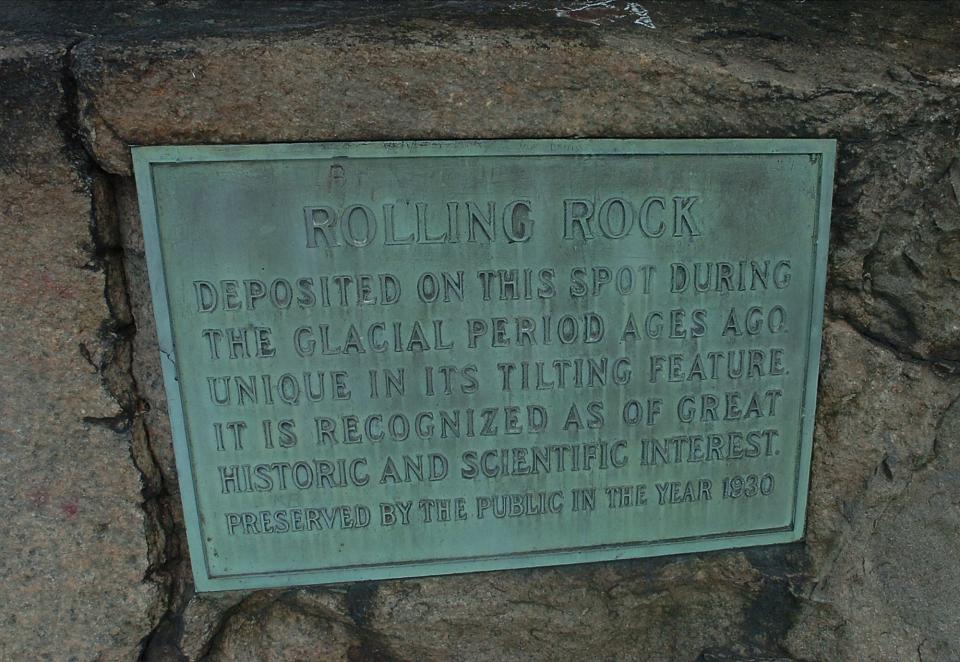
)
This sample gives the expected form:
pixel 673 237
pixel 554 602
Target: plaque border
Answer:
pixel 823 151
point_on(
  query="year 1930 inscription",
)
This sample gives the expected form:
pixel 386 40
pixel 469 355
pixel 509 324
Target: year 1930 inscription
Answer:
pixel 392 359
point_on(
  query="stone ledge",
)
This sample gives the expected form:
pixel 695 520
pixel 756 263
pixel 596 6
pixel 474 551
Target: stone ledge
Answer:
pixel 484 70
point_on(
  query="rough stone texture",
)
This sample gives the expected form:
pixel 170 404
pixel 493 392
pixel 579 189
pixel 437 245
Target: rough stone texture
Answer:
pixel 884 508
pixel 284 628
pixel 876 577
pixel 649 609
pixel 877 420
pixel 886 82
pixel 74 554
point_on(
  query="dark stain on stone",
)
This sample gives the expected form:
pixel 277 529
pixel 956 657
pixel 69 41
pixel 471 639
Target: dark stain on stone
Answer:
pixel 730 655
pixel 163 644
pixel 368 652
pixel 359 601
pixel 370 646
pixel 774 609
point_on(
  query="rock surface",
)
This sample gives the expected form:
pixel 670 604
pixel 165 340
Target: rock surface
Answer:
pixel 885 495
pixel 75 554
pixel 99 567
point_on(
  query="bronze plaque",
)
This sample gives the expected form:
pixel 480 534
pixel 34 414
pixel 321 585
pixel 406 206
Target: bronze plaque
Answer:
pixel 396 359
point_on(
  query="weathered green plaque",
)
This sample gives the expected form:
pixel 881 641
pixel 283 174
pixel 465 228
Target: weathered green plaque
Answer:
pixel 395 359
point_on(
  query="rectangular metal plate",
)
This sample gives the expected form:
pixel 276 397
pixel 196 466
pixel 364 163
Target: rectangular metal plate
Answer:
pixel 396 359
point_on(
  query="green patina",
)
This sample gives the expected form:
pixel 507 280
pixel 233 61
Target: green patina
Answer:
pixel 396 359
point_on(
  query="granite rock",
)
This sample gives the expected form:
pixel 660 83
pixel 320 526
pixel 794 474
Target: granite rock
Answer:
pixel 883 508
pixel 75 553
pixel 873 580
pixel 754 70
